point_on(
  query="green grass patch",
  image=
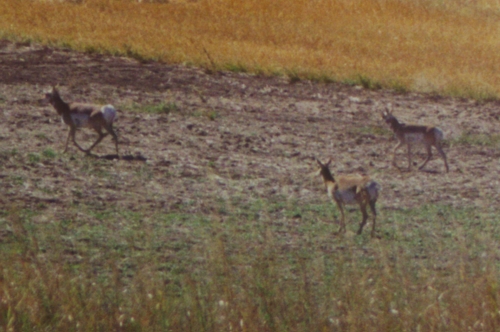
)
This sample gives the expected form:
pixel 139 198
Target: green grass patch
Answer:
pixel 257 263
pixel 33 158
pixel 49 153
pixel 372 130
pixel 487 140
pixel 160 108
pixel 236 67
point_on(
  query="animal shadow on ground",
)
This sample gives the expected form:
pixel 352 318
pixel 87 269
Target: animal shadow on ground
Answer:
pixel 129 157
pixel 429 171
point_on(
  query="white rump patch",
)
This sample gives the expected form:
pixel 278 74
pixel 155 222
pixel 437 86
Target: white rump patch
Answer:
pixel 438 133
pixel 373 188
pixel 414 137
pixel 80 120
pixel 109 113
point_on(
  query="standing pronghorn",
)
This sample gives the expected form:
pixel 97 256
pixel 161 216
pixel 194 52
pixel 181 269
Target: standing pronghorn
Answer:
pixel 84 115
pixel 351 189
pixel 414 134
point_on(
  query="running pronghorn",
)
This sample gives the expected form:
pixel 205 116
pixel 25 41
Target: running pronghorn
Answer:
pixel 415 134
pixel 84 115
pixel 351 189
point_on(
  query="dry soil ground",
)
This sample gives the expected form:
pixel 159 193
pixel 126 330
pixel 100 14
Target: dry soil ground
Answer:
pixel 222 135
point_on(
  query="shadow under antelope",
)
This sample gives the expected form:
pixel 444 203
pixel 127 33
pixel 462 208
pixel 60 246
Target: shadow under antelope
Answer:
pixel 77 116
pixel 351 189
pixel 414 134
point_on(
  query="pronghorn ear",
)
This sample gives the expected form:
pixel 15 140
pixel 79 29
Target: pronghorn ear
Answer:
pixel 388 109
pixel 328 162
pixel 319 162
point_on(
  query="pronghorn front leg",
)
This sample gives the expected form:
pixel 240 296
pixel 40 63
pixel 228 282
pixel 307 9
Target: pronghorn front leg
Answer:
pixel 67 140
pixel 409 156
pixel 342 220
pixel 394 153
pixel 374 213
pixel 72 133
pixel 443 155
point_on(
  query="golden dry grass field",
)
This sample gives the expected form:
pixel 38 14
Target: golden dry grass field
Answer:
pixel 448 47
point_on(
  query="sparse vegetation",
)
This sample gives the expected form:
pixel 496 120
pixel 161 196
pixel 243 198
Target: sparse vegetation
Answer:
pixel 160 108
pixel 489 140
pixel 33 158
pixel 49 153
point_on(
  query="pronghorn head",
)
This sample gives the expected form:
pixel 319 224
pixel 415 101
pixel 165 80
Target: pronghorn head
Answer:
pixel 324 169
pixel 387 116
pixel 52 96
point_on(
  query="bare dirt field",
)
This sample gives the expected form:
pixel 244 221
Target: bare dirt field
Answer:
pixel 189 138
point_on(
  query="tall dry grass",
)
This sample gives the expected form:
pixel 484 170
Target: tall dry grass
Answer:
pixel 242 282
pixel 450 47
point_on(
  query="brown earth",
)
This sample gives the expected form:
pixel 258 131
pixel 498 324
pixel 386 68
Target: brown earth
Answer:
pixel 229 135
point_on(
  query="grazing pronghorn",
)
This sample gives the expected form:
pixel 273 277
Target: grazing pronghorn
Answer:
pixel 84 115
pixel 414 134
pixel 351 189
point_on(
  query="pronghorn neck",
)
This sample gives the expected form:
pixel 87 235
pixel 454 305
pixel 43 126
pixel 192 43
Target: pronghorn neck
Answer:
pixel 396 126
pixel 61 107
pixel 327 175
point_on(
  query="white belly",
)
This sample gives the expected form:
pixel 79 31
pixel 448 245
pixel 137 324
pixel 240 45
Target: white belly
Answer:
pixel 80 120
pixel 414 138
pixel 346 196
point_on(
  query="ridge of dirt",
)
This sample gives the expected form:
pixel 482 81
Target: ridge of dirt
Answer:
pixel 229 134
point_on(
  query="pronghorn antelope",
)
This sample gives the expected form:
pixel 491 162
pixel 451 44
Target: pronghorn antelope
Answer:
pixel 84 115
pixel 414 134
pixel 351 189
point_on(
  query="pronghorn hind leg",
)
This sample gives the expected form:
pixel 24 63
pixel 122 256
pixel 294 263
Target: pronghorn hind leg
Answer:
pixel 365 217
pixel 99 139
pixel 374 212
pixel 409 156
pixel 342 219
pixel 429 156
pixel 115 137
pixel 443 155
